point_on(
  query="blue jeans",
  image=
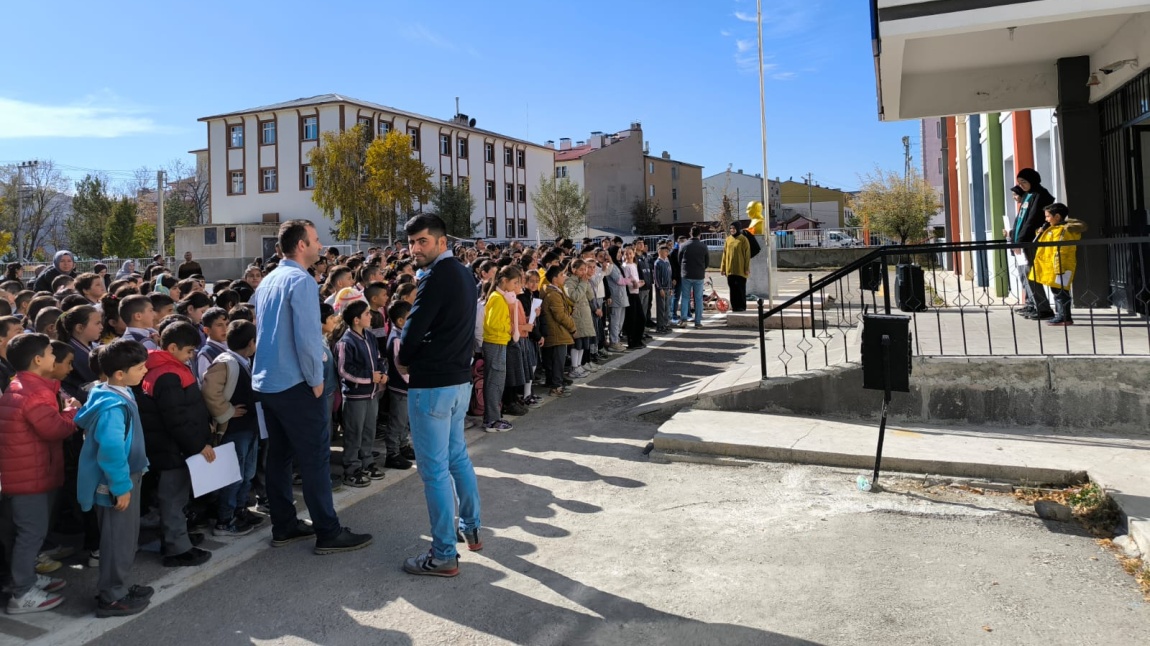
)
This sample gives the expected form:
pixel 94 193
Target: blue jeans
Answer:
pixel 299 426
pixel 692 290
pixel 436 417
pixel 676 297
pixel 235 495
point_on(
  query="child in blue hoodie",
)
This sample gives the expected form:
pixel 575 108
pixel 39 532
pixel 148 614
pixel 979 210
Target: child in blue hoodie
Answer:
pixel 112 462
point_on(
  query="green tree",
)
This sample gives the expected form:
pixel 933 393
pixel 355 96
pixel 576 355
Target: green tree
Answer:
pixel 396 182
pixel 178 212
pixel 560 206
pixel 895 206
pixel 5 244
pixel 646 216
pixel 91 208
pixel 455 205
pixel 120 232
pixel 144 240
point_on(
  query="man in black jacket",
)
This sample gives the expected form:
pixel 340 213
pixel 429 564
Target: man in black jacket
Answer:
pixel 676 279
pixel 694 258
pixel 1031 216
pixel 435 351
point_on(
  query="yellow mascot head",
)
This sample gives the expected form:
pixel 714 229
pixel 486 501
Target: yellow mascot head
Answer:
pixel 755 213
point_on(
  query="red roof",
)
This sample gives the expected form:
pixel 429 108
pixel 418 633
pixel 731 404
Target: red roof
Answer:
pixel 572 153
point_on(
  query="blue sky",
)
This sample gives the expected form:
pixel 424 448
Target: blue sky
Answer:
pixel 119 85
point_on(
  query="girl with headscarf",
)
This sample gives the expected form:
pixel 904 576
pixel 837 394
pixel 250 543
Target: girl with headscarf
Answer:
pixel 126 269
pixel 1031 217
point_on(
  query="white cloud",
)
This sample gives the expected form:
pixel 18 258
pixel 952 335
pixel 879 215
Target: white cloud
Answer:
pixel 745 45
pixel 785 76
pixel 420 34
pixel 724 33
pixel 102 116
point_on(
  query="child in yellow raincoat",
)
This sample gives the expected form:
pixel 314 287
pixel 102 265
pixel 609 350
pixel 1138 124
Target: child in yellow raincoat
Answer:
pixel 1054 266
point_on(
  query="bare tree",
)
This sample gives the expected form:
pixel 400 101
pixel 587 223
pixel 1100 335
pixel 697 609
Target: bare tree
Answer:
pixel 186 184
pixel 33 208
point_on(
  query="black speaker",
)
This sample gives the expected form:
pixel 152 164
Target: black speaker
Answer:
pixel 870 276
pixel 910 288
pixel 897 328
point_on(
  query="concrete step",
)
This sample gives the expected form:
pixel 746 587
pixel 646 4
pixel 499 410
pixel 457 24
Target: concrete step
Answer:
pixel 789 319
pixel 1028 455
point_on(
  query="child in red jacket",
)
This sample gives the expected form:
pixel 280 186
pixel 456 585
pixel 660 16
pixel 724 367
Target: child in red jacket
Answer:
pixel 32 433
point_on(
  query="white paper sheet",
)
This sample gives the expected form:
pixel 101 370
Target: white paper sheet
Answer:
pixel 210 476
pixel 535 305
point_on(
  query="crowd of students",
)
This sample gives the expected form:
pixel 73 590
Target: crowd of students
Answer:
pixel 111 382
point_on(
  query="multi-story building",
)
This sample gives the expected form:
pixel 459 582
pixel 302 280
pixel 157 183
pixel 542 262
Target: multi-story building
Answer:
pixel 740 188
pixel 616 170
pixel 257 160
pixel 827 206
pixel 933 166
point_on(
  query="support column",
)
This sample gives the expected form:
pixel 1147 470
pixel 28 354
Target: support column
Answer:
pixel 1023 141
pixel 1080 133
pixel 962 130
pixel 953 227
pixel 994 224
pixel 977 202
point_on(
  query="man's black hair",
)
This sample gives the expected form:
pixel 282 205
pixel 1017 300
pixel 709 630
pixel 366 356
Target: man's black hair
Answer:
pixel 554 271
pixel 160 301
pixel 26 347
pixel 212 315
pixel 242 312
pixel 240 335
pixel 429 222
pixel 62 350
pixel 120 354
pixel 180 333
pixel 353 310
pixel 291 234
pixel 227 299
pixel 373 290
pixel 398 310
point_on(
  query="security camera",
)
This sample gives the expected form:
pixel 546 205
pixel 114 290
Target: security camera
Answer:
pixel 1114 67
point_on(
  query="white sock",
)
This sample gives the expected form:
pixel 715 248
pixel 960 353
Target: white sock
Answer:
pixel 576 359
pixel 527 389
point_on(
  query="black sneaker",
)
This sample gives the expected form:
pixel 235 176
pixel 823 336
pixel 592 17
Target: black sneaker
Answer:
pixel 408 452
pixel 141 592
pixel 196 538
pixel 471 537
pixel 357 479
pixel 128 605
pixel 191 558
pixel 515 409
pixel 375 472
pixel 428 565
pixel 233 529
pixel 296 480
pixel 397 462
pixel 345 541
pixel 253 520
pixel 336 483
pixel 302 531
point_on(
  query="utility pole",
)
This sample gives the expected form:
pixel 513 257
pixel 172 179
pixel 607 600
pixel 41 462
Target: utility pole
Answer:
pixel 906 154
pixel 18 225
pixel 160 213
pixel 810 196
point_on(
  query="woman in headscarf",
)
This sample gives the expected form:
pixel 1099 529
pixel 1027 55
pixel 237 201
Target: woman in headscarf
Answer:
pixel 12 272
pixel 736 266
pixel 1031 217
pixel 126 269
pixel 62 263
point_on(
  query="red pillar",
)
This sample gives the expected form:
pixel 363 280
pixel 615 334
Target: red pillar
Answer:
pixel 952 171
pixel 1023 140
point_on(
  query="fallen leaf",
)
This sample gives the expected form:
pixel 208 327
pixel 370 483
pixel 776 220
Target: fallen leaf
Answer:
pixel 988 629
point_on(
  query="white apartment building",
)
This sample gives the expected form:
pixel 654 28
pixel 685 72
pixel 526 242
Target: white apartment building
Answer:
pixel 257 162
pixel 741 188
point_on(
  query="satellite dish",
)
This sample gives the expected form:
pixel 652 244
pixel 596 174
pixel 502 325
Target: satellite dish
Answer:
pixel 471 123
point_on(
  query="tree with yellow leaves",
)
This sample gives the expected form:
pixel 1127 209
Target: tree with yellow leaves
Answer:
pixel 396 181
pixel 895 206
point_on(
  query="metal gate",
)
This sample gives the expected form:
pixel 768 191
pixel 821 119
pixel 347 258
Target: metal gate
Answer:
pixel 1121 114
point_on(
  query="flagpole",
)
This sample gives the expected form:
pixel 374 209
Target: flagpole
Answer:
pixel 772 287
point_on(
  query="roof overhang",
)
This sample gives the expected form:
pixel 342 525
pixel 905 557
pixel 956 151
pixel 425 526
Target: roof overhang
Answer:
pixel 946 57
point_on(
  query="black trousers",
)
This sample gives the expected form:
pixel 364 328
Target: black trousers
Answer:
pixel 635 321
pixel 738 288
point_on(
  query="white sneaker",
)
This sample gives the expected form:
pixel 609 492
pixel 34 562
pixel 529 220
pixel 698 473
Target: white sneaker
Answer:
pixel 49 584
pixel 591 367
pixel 94 558
pixel 34 600
pixel 579 373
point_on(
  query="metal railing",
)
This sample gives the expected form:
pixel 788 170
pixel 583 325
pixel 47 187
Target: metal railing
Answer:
pixel 969 313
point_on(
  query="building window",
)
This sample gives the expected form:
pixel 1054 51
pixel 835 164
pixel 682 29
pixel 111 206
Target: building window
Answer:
pixel 444 144
pixel 307 180
pixel 445 180
pixel 509 191
pixel 489 153
pixel 674 193
pixel 268 181
pixel 651 167
pixel 939 125
pixel 368 127
pixel 507 157
pixel 651 190
pixel 462 144
pixel 674 215
pixel 365 122
pixel 521 158
pixel 674 172
pixel 236 136
pixel 523 228
pixel 510 228
pixel 522 192
pixel 489 189
pixel 268 133
pixel 384 128
pixel 230 235
pixel 311 128
pixel 237 185
pixel 210 235
pixel 413 132
pixel 490 227
pixel 940 168
pixel 560 172
pixel 465 183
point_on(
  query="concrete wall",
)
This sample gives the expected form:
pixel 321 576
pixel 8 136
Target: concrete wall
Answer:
pixel 1059 393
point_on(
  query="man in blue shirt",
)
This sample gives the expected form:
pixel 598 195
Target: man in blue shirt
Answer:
pixel 288 376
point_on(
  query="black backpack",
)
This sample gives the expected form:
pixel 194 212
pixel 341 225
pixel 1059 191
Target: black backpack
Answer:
pixel 753 241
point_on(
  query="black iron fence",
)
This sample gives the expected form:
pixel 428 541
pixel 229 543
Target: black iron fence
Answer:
pixel 968 299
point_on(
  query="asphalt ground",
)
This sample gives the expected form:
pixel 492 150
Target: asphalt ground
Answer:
pixel 586 541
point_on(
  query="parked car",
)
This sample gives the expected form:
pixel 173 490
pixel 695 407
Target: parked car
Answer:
pixel 840 239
